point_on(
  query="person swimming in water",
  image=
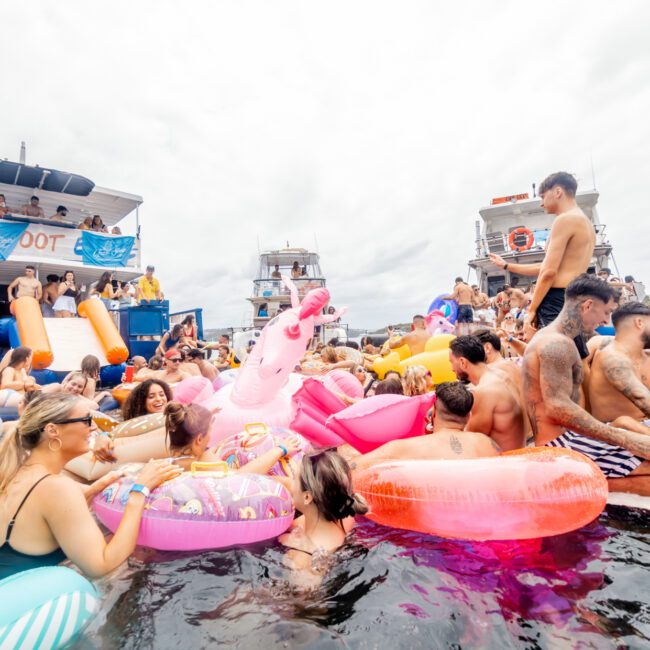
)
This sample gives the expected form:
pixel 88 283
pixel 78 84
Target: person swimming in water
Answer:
pixel 323 495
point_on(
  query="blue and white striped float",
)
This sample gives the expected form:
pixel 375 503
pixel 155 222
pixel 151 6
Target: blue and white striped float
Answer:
pixel 45 608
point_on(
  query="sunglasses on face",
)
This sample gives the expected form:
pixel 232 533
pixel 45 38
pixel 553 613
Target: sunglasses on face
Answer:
pixel 87 420
pixel 175 360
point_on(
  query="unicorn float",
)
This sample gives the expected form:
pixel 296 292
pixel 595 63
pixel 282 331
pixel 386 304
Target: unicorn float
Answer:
pixel 264 385
pixel 437 323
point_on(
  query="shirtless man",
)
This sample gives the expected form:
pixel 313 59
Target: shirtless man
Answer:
pixel 205 367
pixel 553 373
pixel 480 300
pixel 170 372
pixel 464 297
pixel 276 272
pixel 502 304
pixel 620 379
pixel 416 339
pixel 517 298
pixel 60 214
pixel 33 209
pixel 568 254
pixel 27 285
pixel 448 440
pixel 496 411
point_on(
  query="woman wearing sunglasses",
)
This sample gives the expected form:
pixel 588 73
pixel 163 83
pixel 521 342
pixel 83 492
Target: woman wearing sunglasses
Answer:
pixel 44 516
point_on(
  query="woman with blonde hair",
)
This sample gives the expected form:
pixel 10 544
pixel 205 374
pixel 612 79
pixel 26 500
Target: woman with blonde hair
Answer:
pixel 44 516
pixel 417 381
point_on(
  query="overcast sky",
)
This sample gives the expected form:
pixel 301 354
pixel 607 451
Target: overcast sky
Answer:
pixel 377 129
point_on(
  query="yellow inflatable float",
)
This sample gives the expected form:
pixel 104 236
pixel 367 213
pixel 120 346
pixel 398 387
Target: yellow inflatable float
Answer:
pixel 435 359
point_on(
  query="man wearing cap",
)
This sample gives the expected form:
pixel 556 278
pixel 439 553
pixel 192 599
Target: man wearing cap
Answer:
pixel 33 209
pixel 61 213
pixel 148 288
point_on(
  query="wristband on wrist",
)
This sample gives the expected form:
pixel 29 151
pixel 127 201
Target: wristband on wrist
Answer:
pixel 137 487
pixel 505 266
pixel 284 450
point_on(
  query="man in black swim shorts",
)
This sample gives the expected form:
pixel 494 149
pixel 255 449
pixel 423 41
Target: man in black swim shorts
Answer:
pixel 463 295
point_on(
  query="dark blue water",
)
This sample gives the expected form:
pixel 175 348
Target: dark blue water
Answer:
pixel 393 589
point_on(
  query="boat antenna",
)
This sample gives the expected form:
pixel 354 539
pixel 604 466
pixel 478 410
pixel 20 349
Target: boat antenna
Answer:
pixel 259 252
pixel 593 173
pixel 316 244
pixel 23 152
pixel 534 194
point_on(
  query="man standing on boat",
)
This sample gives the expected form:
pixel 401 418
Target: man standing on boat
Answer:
pixel 148 288
pixel 26 285
pixel 568 254
pixel 416 339
pixel 464 297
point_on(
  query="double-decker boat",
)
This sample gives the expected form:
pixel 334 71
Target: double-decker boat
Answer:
pixel 517 228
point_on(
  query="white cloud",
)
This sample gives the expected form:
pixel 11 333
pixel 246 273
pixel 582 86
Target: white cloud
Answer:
pixel 378 128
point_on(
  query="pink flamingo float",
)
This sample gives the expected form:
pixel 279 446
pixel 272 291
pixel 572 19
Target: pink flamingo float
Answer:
pixel 264 385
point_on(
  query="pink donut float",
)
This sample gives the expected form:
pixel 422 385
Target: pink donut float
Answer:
pixel 342 381
pixel 193 390
pixel 376 420
pixel 202 511
pixel 257 439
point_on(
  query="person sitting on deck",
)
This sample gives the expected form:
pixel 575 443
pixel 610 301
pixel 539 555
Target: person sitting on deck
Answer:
pixel 295 270
pixel 115 230
pixel 4 208
pixel 497 410
pixel 553 374
pixel 171 339
pixel 276 275
pixel 449 440
pixel 60 214
pixel 191 332
pixel 15 376
pixel 86 224
pixel 26 285
pixel 33 209
pixel 90 369
pixel 148 287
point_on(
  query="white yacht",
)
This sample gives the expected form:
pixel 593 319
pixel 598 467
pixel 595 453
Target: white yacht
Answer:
pixel 270 295
pixel 517 228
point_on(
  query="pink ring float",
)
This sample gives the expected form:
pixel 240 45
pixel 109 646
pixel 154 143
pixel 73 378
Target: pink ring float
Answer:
pixel 257 439
pixel 525 494
pixel 193 390
pixel 192 513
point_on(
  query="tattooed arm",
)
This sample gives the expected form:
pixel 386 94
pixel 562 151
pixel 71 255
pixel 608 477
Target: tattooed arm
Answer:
pixel 620 374
pixel 557 383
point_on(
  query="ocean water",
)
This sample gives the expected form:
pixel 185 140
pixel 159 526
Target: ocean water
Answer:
pixel 392 589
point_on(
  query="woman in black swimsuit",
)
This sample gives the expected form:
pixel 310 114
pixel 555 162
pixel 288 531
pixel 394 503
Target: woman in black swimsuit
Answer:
pixel 44 516
pixel 323 494
pixel 66 304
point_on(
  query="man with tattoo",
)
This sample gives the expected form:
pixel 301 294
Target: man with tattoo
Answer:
pixel 497 411
pixel 568 254
pixel 448 440
pixel 553 374
pixel 620 371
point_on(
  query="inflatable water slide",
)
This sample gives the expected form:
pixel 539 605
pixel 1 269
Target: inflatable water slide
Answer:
pixel 59 344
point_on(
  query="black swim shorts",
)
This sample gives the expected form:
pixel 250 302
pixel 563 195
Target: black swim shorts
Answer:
pixel 548 311
pixel 465 314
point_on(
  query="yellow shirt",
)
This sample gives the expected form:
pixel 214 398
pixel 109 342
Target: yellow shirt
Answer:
pixel 148 288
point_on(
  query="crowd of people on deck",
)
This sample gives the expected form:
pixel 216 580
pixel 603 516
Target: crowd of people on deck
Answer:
pixel 534 374
pixel 60 296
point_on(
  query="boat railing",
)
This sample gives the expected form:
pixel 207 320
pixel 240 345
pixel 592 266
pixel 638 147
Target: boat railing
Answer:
pixel 275 287
pixel 52 240
pixel 497 242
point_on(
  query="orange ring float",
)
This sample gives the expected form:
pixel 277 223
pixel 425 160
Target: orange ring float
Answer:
pixel 530 239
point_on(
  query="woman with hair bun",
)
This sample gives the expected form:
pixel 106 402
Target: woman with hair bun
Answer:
pixel 187 438
pixel 322 493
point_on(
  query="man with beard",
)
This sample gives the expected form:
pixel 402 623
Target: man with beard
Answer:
pixel 620 371
pixel 553 373
pixel 496 411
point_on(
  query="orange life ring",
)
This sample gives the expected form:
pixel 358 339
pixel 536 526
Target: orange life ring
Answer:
pixel 530 239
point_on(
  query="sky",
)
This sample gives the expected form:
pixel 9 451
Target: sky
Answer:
pixel 374 131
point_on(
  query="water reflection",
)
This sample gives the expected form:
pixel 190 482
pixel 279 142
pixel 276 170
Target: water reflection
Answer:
pixel 393 588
